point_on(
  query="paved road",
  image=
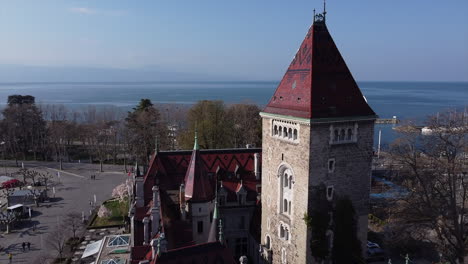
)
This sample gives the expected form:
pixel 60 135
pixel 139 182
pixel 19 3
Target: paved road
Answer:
pixel 74 190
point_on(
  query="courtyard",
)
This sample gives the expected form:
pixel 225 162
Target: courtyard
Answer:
pixel 75 191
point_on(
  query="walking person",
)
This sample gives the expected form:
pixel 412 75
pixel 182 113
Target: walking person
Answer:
pixel 24 246
pixel 29 245
pixel 10 257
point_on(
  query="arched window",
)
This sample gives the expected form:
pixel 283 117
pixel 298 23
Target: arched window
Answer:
pixel 285 132
pixel 290 133
pixel 295 134
pixel 281 231
pixel 268 242
pixel 275 130
pixel 280 131
pixel 283 255
pixel 286 234
pixel 335 138
pixel 342 134
pixel 286 179
pixel 350 134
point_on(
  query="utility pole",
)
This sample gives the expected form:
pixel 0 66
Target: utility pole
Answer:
pixel 378 146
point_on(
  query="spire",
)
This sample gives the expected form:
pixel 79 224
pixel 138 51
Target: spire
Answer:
pixel 137 170
pixel 212 234
pixel 318 83
pixel 195 145
pixel 198 187
pixel 156 145
pixel 324 9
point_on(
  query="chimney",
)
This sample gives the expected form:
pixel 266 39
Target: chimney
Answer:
pixel 257 165
pixel 145 231
pixel 183 213
pixel 155 212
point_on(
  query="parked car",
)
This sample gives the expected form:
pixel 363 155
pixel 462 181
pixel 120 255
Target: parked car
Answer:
pixel 374 252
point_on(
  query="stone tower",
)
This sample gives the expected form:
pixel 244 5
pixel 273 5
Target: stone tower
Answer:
pixel 317 131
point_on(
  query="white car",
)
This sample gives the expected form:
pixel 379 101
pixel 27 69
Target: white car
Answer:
pixel 374 252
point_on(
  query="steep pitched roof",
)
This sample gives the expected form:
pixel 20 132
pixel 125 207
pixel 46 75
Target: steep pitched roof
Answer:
pixel 198 187
pixel 318 84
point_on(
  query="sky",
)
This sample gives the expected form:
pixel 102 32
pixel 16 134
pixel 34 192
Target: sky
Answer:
pixel 399 40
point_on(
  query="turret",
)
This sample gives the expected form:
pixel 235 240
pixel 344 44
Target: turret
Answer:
pixel 146 231
pixel 139 193
pixel 183 206
pixel 155 212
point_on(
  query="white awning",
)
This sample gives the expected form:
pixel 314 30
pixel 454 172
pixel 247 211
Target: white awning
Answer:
pixel 92 249
pixel 14 206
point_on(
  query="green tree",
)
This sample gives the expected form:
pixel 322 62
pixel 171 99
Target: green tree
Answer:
pixel 212 124
pixel 346 245
pixel 318 221
pixel 144 124
pixel 24 129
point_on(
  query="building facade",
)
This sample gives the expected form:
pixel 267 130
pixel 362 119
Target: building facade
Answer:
pixel 317 133
pixel 317 149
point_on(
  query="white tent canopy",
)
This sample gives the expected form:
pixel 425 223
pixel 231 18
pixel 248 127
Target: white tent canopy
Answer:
pixel 92 249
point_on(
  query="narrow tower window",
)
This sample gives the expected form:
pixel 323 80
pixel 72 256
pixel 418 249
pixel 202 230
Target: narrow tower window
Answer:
pixel 350 134
pixel 342 135
pixel 331 165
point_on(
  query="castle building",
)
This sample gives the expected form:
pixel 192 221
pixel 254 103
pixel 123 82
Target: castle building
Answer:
pixel 196 207
pixel 317 131
pixel 214 206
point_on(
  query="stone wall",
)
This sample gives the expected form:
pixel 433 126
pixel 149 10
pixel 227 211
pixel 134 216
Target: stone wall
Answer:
pixel 308 158
pixel 277 152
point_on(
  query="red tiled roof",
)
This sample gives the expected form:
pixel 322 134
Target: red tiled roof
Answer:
pixel 318 84
pixel 198 188
pixel 208 253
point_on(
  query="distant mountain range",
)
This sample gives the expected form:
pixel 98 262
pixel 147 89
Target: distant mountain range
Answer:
pixel 20 73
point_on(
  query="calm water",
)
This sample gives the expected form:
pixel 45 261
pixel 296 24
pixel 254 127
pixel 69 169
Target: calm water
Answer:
pixel 406 100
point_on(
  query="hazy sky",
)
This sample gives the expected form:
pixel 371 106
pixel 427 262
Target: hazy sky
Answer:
pixel 394 40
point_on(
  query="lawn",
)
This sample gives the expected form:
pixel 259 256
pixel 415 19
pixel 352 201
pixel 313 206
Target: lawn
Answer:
pixel 119 210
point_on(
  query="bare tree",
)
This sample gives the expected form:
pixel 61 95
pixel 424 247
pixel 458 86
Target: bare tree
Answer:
pixel 245 123
pixel 434 170
pixel 74 222
pixel 7 218
pixel 24 172
pixel 45 178
pixel 57 239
